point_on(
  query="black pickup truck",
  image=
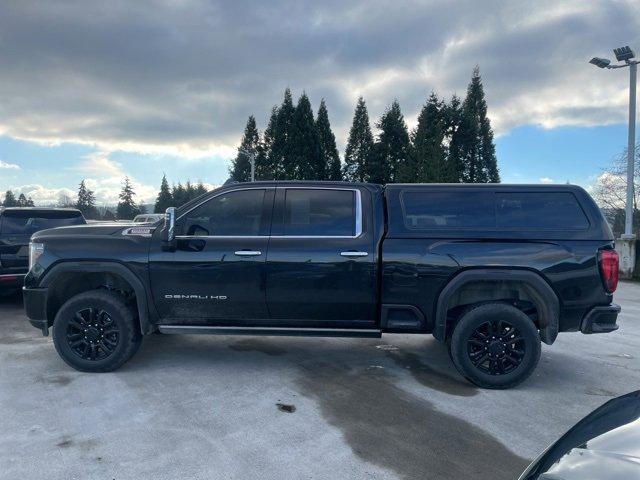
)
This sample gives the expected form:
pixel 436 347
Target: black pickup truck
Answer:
pixel 17 224
pixel 489 270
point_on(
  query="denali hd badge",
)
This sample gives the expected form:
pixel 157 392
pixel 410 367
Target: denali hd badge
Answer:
pixel 195 297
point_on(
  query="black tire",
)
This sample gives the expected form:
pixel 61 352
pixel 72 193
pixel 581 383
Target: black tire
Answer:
pixel 96 331
pixel 495 346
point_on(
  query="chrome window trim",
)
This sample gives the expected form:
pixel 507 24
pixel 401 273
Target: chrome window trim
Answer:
pixel 358 213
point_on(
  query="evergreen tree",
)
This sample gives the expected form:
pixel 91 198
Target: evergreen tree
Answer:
pixel 179 195
pixel 266 169
pixel 241 166
pixel 359 145
pixel 86 202
pixel 200 189
pixel 22 200
pixel 328 144
pixel 189 190
pixel 427 159
pixel 164 199
pixel 30 202
pixel 477 150
pixel 393 150
pixel 9 199
pixel 304 144
pixel 280 156
pixel 127 207
pixel 454 135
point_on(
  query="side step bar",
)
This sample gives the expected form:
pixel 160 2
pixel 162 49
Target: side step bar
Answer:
pixel 272 331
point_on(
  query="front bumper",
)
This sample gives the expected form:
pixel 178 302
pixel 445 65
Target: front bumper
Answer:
pixel 35 307
pixel 601 319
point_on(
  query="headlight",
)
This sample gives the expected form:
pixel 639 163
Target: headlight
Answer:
pixel 35 250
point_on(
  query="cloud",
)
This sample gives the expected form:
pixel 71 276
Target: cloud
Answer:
pixel 181 77
pixel 8 166
pixel 99 163
pixel 546 180
pixel 42 195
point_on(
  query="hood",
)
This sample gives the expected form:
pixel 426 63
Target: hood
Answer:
pixel 92 229
pixel 605 445
pixel 587 464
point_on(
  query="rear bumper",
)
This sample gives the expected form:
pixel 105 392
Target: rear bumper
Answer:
pixel 35 307
pixel 600 319
pixel 11 281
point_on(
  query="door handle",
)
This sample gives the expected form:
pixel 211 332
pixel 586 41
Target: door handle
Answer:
pixel 354 254
pixel 248 253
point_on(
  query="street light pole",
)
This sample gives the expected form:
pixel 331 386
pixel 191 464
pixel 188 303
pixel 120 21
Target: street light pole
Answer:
pixel 626 55
pixel 631 151
pixel 252 160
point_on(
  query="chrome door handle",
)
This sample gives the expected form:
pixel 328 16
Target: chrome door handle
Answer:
pixel 248 253
pixel 354 254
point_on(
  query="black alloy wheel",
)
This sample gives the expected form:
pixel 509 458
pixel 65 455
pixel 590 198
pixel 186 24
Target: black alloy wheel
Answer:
pixel 92 334
pixel 496 347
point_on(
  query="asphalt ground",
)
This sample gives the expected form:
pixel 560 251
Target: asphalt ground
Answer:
pixel 213 407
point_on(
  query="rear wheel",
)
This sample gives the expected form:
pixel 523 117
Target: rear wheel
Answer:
pixel 96 331
pixel 495 346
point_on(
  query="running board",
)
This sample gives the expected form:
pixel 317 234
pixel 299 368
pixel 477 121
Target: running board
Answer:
pixel 272 331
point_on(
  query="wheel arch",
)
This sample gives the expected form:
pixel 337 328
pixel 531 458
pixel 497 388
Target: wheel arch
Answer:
pixel 94 269
pixel 536 287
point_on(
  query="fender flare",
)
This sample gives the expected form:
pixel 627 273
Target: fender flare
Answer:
pixel 543 296
pixel 107 267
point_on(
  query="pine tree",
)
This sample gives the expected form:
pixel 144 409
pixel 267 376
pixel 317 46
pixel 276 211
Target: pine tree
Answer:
pixel 189 190
pixel 454 135
pixel 22 200
pixel 266 168
pixel 280 155
pixel 427 161
pixel 328 144
pixel 86 202
pixel 393 150
pixel 477 150
pixel 9 199
pixel 200 189
pixel 304 144
pixel 241 166
pixel 30 202
pixel 359 145
pixel 127 207
pixel 179 195
pixel 164 199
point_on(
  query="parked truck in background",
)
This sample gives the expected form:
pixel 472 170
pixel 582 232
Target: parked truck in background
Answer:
pixel 491 271
pixel 17 224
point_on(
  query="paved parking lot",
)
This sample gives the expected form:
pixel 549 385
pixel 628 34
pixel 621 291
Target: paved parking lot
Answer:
pixel 206 407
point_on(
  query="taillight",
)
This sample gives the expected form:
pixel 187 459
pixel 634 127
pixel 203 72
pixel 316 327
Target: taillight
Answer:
pixel 609 269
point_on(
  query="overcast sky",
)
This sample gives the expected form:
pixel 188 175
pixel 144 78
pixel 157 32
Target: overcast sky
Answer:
pixel 98 90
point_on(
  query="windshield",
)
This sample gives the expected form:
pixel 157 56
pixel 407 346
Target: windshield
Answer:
pixel 29 222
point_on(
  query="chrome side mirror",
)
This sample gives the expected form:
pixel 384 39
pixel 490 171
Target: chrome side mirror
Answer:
pixel 169 231
pixel 170 223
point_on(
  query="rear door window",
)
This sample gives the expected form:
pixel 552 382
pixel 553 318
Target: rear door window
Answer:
pixel 454 209
pixel 320 213
pixel 29 222
pixel 543 210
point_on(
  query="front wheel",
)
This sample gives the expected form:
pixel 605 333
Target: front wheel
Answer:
pixel 495 346
pixel 96 331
